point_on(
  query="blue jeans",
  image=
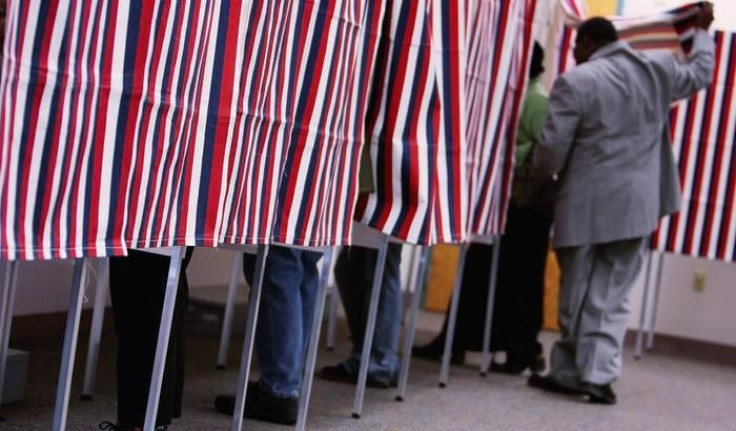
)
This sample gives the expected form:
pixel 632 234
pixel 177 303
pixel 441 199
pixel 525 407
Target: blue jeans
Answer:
pixel 354 271
pixel 290 284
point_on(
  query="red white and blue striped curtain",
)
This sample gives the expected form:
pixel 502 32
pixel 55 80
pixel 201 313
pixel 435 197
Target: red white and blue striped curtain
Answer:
pixel 703 132
pixel 300 98
pixel 160 123
pixel 500 40
pixel 201 122
pixel 417 131
pixel 460 187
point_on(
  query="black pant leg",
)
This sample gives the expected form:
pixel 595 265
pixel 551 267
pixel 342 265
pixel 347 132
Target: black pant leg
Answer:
pixel 137 290
pixel 526 248
pixel 354 277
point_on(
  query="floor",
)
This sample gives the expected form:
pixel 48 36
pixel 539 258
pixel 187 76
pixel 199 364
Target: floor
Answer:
pixel 656 393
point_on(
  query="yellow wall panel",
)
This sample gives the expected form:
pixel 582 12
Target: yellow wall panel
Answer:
pixel 602 7
pixel 441 277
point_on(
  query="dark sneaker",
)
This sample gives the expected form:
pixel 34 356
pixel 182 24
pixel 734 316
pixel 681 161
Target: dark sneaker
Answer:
pixel 261 406
pixel 340 374
pixel 549 384
pixel 599 394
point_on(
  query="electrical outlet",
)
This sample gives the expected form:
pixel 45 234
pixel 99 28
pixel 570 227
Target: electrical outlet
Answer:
pixel 699 279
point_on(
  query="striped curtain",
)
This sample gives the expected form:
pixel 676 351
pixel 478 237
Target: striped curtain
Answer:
pixel 500 40
pixel 201 122
pixel 417 131
pixel 460 186
pixel 703 133
pixel 196 122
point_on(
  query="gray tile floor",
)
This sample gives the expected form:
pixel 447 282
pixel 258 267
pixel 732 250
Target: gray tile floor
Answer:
pixel 656 393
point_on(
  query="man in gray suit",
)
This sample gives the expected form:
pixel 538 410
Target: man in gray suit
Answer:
pixel 603 145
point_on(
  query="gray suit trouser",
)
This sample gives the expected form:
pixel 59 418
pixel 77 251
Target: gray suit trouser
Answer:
pixel 594 310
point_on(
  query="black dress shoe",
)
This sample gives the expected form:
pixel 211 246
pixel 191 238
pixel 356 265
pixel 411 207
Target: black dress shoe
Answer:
pixel 599 394
pixel 339 374
pixel 548 384
pixel 261 406
pixel 512 367
pixel 434 351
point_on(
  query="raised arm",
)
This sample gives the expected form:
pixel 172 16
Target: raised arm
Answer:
pixel 697 72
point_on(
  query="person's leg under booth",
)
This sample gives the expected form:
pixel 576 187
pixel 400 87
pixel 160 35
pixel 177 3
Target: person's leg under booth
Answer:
pixel 290 284
pixel 137 291
pixel 354 272
pixel 287 304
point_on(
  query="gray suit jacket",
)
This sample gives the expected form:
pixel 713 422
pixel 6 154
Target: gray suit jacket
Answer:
pixel 606 141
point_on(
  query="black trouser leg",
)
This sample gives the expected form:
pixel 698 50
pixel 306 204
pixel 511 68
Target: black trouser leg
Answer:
pixel 137 291
pixel 524 261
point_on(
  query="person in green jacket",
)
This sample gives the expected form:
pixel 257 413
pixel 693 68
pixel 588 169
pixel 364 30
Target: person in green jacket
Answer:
pixel 517 316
